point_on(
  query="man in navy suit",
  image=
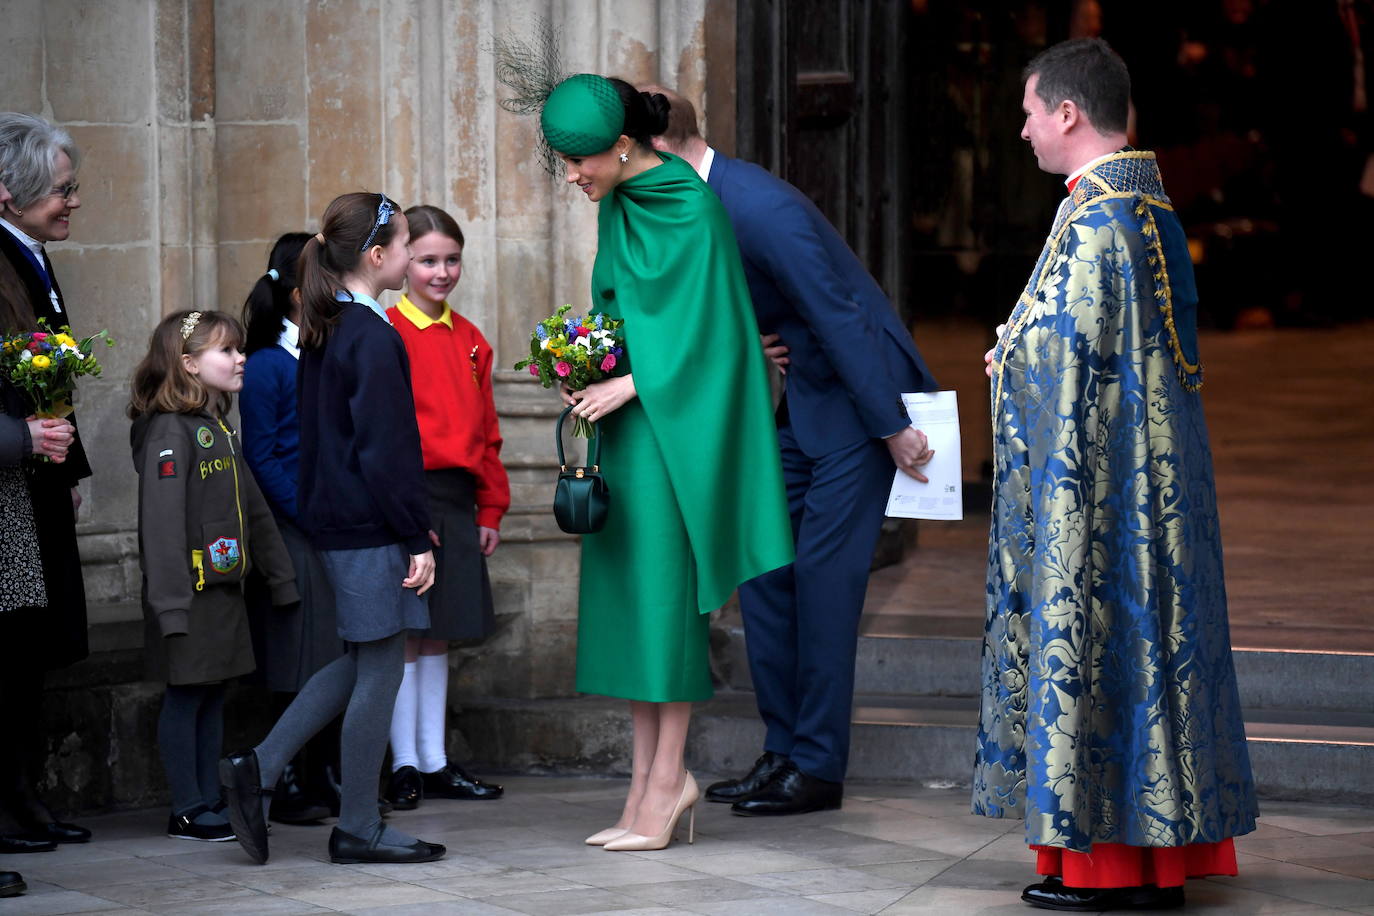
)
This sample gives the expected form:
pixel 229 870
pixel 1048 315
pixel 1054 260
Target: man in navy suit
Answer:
pixel 842 427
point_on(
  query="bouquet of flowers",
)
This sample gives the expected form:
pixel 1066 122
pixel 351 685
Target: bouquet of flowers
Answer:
pixel 46 365
pixel 574 351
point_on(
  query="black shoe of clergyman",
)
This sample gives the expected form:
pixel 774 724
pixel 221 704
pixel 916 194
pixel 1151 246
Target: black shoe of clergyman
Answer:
pixel 242 781
pixel 347 849
pixel 405 791
pixel 733 790
pixel 12 884
pixel 13 845
pixel 791 791
pixel 455 782
pixel 1053 894
pixel 56 832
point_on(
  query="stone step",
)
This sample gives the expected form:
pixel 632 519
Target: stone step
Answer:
pixel 1296 754
pixel 892 663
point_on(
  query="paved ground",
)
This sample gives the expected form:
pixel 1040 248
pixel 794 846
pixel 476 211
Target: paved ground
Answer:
pixel 891 850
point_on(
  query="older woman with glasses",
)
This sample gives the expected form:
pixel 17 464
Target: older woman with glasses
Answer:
pixel 38 164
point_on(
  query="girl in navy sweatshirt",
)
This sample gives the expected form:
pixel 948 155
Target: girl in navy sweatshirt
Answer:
pixel 361 502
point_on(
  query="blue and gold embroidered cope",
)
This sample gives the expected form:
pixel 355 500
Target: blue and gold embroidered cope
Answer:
pixel 1109 704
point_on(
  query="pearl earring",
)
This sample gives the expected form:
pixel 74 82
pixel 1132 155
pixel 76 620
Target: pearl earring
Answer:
pixel 624 158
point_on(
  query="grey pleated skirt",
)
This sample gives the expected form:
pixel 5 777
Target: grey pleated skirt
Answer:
pixel 460 605
pixel 369 601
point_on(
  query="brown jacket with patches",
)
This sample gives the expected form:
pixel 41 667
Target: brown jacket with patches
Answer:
pixel 202 523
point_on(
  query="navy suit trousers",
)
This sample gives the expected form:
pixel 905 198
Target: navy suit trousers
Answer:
pixel 801 622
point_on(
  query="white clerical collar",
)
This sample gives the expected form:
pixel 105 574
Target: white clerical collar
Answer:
pixel 346 295
pixel 289 337
pixel 1087 167
pixel 704 170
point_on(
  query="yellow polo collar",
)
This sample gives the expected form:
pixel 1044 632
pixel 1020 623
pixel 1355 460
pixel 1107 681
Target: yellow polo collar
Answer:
pixel 420 319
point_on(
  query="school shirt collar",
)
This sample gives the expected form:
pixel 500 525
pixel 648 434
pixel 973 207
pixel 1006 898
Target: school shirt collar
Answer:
pixel 418 318
pixel 345 295
pixel 289 338
pixel 707 158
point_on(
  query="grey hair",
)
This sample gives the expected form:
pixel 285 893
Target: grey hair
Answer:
pixel 28 155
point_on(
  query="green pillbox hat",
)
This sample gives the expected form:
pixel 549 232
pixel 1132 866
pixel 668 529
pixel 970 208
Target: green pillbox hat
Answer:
pixel 583 115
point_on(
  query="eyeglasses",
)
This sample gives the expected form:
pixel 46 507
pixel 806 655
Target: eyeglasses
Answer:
pixel 384 211
pixel 66 191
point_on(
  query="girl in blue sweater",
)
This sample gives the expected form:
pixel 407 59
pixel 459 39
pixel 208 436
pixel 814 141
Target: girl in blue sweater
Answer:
pixel 361 502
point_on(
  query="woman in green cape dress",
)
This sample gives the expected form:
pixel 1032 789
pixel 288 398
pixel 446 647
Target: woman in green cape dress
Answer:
pixel 689 446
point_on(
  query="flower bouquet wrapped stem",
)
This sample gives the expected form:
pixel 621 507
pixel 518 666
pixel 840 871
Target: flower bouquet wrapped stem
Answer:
pixel 574 351
pixel 45 366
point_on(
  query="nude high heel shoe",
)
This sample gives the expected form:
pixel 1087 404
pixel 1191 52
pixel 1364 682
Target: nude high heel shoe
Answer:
pixel 686 802
pixel 603 837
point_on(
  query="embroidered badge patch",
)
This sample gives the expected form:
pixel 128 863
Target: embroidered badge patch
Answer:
pixel 205 438
pixel 166 464
pixel 225 555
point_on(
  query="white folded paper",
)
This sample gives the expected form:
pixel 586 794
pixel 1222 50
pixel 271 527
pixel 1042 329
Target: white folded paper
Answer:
pixel 936 414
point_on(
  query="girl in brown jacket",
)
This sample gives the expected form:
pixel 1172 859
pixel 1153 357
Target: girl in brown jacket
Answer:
pixel 201 523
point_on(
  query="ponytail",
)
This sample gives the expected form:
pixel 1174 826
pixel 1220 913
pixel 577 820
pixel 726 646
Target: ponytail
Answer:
pixel 269 303
pixel 350 221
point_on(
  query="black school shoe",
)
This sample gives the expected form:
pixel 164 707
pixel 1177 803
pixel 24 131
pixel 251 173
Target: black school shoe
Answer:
pixel 184 827
pixel 1053 894
pixel 242 781
pixel 405 790
pixel 56 832
pixel 11 845
pixel 12 884
pixel 347 849
pixel 291 804
pixel 455 782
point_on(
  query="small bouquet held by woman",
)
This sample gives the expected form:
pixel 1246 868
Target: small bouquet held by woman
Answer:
pixel 574 351
pixel 45 365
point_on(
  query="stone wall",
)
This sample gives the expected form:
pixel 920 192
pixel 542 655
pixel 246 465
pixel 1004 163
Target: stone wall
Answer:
pixel 211 126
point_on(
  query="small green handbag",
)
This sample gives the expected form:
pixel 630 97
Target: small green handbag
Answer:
pixel 581 498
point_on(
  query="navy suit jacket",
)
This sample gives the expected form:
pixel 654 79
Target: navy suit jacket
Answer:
pixel 851 358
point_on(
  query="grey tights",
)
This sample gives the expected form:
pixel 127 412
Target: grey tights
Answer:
pixel 362 685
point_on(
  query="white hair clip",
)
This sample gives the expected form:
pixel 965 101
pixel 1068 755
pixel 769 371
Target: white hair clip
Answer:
pixel 188 324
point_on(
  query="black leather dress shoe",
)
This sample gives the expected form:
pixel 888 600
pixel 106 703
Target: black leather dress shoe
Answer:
pixel 56 832
pixel 405 791
pixel 1053 894
pixel 291 804
pixel 733 790
pixel 242 781
pixel 334 795
pixel 455 782
pixel 347 849
pixel 12 884
pixel 13 845
pixel 791 791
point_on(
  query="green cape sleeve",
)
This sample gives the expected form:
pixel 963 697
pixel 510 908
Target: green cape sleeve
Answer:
pixel 667 248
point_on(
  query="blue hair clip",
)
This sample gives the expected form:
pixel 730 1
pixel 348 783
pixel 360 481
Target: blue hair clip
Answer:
pixel 384 211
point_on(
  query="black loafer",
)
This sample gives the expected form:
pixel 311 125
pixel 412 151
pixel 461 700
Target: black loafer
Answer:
pixel 733 790
pixel 242 781
pixel 13 845
pixel 405 791
pixel 455 782
pixel 57 832
pixel 1053 894
pixel 347 849
pixel 791 791
pixel 12 884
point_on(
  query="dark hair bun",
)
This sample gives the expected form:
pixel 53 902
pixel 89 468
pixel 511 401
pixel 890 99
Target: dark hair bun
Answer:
pixel 658 107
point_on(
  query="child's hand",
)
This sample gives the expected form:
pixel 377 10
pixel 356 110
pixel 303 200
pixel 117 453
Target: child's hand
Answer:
pixel 487 539
pixel 421 572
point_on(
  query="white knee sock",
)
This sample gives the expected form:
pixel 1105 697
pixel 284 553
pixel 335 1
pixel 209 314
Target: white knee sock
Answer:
pixel 403 720
pixel 433 712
